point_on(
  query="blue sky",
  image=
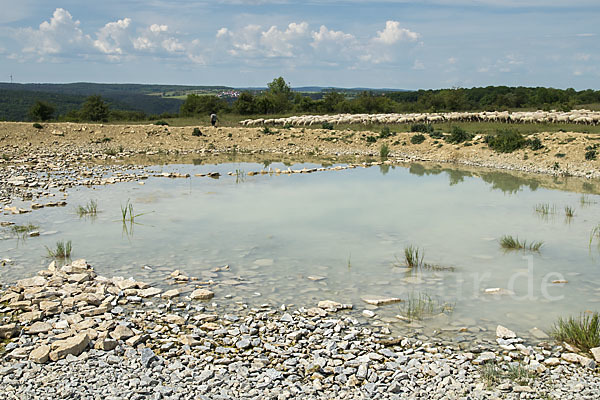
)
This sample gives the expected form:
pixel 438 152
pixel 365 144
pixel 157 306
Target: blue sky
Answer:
pixel 393 44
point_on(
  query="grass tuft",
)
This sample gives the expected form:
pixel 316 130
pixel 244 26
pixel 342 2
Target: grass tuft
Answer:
pixel 508 242
pixel 413 256
pixel 20 230
pixel 63 250
pixel 582 332
pixel 569 212
pixel 545 209
pixel 519 374
pixel 90 209
pixel 421 305
pixel 490 373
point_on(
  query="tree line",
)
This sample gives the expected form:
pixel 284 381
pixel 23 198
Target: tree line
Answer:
pixel 279 98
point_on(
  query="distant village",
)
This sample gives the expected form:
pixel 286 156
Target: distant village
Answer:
pixel 229 94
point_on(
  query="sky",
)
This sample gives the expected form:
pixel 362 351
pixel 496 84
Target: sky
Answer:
pixel 401 44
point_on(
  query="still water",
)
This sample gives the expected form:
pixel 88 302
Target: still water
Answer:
pixel 340 235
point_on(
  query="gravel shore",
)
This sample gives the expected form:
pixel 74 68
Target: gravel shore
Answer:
pixel 73 334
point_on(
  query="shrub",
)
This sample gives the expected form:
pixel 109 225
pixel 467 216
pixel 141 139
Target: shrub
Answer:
pixel 560 155
pixel 535 144
pixel 371 139
pixel 590 155
pixel 197 132
pixel 267 131
pixel 458 135
pixel 327 125
pixel 423 128
pixel 505 141
pixel 385 132
pixel 384 150
pixel 37 126
pixel 417 139
pixel 436 135
pixel 161 123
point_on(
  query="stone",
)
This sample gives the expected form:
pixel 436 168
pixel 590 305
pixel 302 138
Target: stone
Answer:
pixel 175 319
pixel 586 362
pixel 137 339
pixel 105 344
pixel 39 327
pixel 522 389
pixel 368 313
pixel 380 301
pixel 505 333
pixel 74 346
pixel 571 357
pixel 8 331
pixel 121 332
pixel 596 353
pixel 30 282
pixel 169 294
pixel 242 344
pixel 202 294
pixel 362 371
pixel 552 362
pixel 287 318
pixel 40 355
pixel 146 356
pixel 149 292
pixel 29 317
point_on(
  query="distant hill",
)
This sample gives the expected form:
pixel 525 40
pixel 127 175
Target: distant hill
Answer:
pixel 16 99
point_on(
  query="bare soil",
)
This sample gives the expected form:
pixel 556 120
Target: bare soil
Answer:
pixel 563 152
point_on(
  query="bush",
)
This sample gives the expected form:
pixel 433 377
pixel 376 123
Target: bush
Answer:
pixel 590 155
pixel 161 123
pixel 423 128
pixel 436 135
pixel 458 135
pixel 37 126
pixel 385 132
pixel 384 151
pixel 41 111
pixel 267 131
pixel 197 132
pixel 371 139
pixel 327 125
pixel 505 141
pixel 535 144
pixel 417 139
pixel 94 109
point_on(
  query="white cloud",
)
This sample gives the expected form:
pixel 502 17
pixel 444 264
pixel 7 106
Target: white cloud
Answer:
pixel 278 43
pixel 223 32
pixel 156 39
pixel 61 34
pixel 452 60
pixel 393 33
pixel 112 37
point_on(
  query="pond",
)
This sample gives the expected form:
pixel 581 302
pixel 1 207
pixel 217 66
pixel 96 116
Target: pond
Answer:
pixel 341 235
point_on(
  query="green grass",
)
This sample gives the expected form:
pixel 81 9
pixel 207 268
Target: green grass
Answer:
pixel 569 212
pixel 545 209
pixel 421 305
pixel 63 250
pixel 23 229
pixel 413 256
pixel 90 209
pixel 582 332
pixel 490 373
pixel 417 139
pixel 519 374
pixel 584 200
pixel 508 242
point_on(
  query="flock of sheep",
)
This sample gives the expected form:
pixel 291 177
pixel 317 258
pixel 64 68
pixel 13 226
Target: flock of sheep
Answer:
pixel 586 117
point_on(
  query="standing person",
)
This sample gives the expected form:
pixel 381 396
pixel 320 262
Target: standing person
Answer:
pixel 213 119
